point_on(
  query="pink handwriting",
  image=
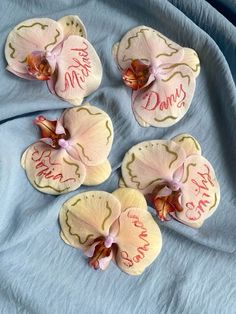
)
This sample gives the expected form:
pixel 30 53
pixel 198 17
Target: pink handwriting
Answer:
pixel 202 184
pixel 126 260
pixel 154 101
pixel 142 248
pixel 81 68
pixel 44 166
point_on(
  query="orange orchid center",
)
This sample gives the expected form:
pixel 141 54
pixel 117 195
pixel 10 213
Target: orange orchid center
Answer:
pixel 38 66
pixel 166 203
pixel 103 249
pixel 137 75
pixel 51 131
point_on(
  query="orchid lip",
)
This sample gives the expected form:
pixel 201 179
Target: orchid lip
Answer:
pixel 101 250
pixel 166 198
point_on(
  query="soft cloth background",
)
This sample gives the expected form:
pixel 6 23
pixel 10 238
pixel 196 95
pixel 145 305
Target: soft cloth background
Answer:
pixel 195 272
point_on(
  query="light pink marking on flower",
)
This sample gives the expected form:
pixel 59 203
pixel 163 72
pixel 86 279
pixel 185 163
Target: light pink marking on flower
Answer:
pixel 109 240
pixel 59 128
pixel 174 185
pixel 63 143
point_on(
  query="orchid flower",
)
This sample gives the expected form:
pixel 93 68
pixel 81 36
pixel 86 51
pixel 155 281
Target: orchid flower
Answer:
pixel 160 73
pixel 56 52
pixel 174 177
pixel 72 151
pixel 112 226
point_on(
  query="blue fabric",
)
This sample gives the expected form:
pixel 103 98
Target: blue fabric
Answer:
pixel 195 272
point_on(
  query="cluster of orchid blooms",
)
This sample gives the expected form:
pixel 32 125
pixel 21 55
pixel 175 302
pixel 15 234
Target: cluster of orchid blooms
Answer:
pixel 171 175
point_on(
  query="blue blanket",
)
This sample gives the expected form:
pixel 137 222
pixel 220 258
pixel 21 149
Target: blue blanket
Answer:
pixel 195 272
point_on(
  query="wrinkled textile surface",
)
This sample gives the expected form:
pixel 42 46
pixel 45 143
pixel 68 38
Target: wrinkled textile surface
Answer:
pixel 195 272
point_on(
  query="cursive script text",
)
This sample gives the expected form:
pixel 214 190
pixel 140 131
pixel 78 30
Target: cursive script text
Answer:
pixel 79 69
pixel 154 101
pixel 202 183
pixel 45 167
pixel 142 248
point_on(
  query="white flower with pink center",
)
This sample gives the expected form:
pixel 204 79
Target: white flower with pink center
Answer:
pixel 114 227
pixel 173 175
pixel 71 151
pixel 161 74
pixel 56 52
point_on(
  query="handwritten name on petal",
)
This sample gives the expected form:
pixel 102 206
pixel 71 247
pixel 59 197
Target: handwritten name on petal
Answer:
pixel 162 96
pixel 201 191
pixel 139 240
pixel 167 100
pixel 52 171
pixel 79 69
pixel 152 100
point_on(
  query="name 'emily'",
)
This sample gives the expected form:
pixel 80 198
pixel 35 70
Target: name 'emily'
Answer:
pixel 202 185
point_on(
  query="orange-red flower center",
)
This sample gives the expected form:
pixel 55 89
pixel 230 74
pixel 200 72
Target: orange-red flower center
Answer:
pixel 164 205
pixel 137 75
pixel 38 66
pixel 48 131
pixel 99 253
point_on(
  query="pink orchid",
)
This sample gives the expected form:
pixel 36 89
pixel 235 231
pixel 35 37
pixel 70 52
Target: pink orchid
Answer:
pixel 174 177
pixel 72 151
pixel 161 74
pixel 112 226
pixel 56 52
